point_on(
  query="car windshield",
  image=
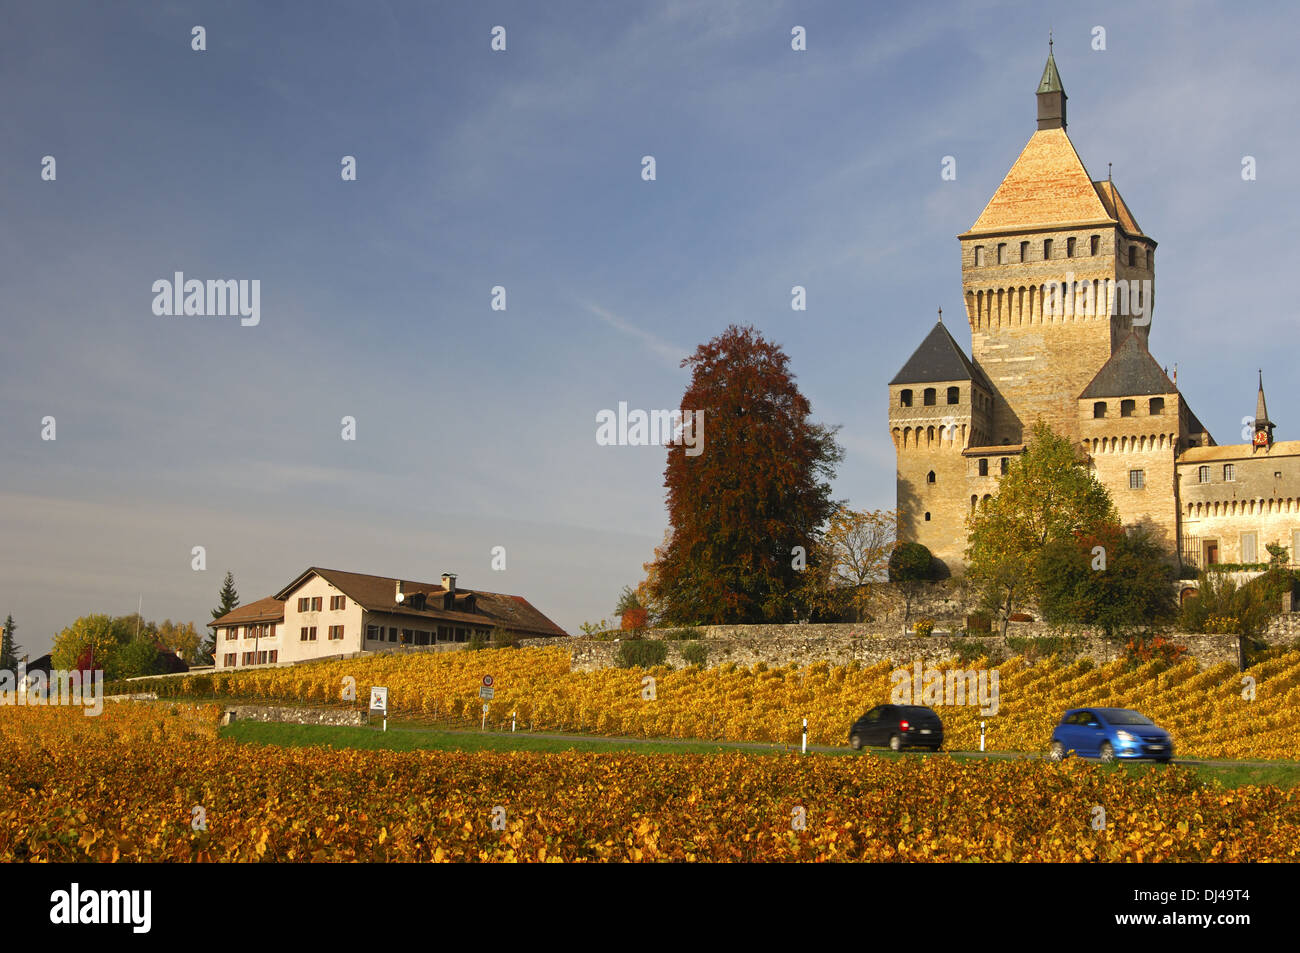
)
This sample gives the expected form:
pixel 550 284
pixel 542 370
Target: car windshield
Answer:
pixel 1123 716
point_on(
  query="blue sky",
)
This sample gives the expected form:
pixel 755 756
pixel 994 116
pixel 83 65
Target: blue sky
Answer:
pixel 476 428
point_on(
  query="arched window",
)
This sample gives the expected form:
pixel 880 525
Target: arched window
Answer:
pixel 905 398
pixel 984 466
pixel 974 501
pixel 929 396
pixel 927 517
pixel 1099 409
pixel 930 477
pixel 954 395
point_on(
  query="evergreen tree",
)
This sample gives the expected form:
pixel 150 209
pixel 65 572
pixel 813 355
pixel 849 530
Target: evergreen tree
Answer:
pixel 229 601
pixel 9 649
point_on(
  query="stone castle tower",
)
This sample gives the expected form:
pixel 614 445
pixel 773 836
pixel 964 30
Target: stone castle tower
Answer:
pixel 1058 282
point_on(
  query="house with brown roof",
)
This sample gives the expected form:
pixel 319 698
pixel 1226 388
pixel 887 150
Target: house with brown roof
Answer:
pixel 329 612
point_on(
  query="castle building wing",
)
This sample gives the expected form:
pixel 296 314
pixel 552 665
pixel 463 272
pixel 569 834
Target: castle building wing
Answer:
pixel 1130 372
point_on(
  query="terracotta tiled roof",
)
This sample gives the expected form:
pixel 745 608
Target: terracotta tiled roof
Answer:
pixel 1116 208
pixel 269 609
pixel 1238 451
pixel 1047 186
pixel 376 594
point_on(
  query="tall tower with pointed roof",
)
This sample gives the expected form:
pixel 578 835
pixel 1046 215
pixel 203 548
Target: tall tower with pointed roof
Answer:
pixel 1041 273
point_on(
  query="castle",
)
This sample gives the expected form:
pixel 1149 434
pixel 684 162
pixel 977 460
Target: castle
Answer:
pixel 1058 282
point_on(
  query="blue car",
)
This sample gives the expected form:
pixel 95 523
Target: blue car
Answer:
pixel 1110 733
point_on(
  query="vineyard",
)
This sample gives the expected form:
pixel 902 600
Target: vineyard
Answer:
pixel 151 781
pixel 1212 714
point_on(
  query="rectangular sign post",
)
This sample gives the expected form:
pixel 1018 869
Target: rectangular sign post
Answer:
pixel 483 726
pixel 379 702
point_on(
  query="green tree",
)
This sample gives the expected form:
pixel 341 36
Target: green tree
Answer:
pixel 1121 583
pixel 746 486
pixel 911 566
pixel 229 602
pixel 9 649
pixel 180 637
pixel 94 637
pixel 1046 496
pixel 137 657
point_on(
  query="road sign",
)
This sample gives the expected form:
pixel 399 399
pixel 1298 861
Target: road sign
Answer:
pixel 487 681
pixel 487 693
pixel 485 709
pixel 379 698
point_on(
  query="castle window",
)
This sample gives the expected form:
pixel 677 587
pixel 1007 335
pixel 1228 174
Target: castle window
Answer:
pixel 984 467
pixel 1148 259
pixel 1126 408
pixel 927 517
pixel 954 395
pixel 905 398
pixel 1249 548
pixel 1157 406
pixel 1024 251
pixel 1093 244
pixel 974 501
pixel 1047 249
pixel 1069 248
pixel 1203 475
pixel 1002 253
pixel 929 396
pixel 1137 479
pixel 1006 465
pixel 930 477
pixel 1132 255
pixel 1099 409
pixel 1229 475
pixel 979 256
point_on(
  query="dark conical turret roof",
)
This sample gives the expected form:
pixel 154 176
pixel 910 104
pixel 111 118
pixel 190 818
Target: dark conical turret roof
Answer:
pixel 938 359
pixel 1130 372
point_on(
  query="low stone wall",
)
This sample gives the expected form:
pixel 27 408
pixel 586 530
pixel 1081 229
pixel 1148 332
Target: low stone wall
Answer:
pixel 292 716
pixel 838 644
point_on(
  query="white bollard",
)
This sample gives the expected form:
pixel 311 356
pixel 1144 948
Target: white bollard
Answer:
pixel 512 721
pixel 803 747
pixel 981 736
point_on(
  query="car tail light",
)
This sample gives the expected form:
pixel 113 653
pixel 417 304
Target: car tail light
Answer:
pixel 903 725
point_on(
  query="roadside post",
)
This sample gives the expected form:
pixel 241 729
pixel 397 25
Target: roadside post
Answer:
pixel 486 692
pixel 803 746
pixel 981 736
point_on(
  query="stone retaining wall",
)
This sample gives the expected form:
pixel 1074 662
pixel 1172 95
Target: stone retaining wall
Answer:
pixel 293 716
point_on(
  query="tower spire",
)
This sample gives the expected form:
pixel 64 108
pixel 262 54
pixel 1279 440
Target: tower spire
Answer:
pixel 1263 426
pixel 1051 94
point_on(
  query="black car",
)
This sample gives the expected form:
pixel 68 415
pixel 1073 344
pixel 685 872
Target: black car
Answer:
pixel 899 727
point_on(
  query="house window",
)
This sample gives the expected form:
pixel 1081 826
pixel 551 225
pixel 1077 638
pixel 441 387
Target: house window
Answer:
pixel 307 634
pixel 1203 475
pixel 1024 251
pixel 1006 465
pixel 316 603
pixel 392 635
pixel 1093 244
pixel 954 395
pixel 1137 479
pixel 229 660
pixel 1157 406
pixel 336 632
pixel 1002 254
pixel 930 478
pixel 1047 249
pixel 232 633
pixel 929 396
pixel 338 602
pixel 303 604
pixel 1126 408
pixel 905 398
pixel 274 656
pixel 984 467
pixel 261 658
pixel 1249 550
pixel 1132 256
pixel 979 256
pixel 372 633
pixel 1229 472
pixel 1069 248
pixel 1099 409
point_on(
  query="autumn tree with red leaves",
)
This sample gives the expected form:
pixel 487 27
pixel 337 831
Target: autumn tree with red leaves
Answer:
pixel 759 488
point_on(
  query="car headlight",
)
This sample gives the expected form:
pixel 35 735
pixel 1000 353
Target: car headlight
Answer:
pixel 1126 737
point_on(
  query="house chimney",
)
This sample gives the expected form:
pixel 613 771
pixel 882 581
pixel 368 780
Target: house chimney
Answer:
pixel 399 597
pixel 449 582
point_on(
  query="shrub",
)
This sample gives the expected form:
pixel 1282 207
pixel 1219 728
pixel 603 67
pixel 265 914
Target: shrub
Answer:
pixel 924 627
pixel 1140 650
pixel 911 562
pixel 476 643
pixel 641 653
pixel 697 653
pixel 683 635
pixel 634 620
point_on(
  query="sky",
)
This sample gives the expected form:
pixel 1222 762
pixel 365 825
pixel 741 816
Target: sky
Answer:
pixel 476 168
